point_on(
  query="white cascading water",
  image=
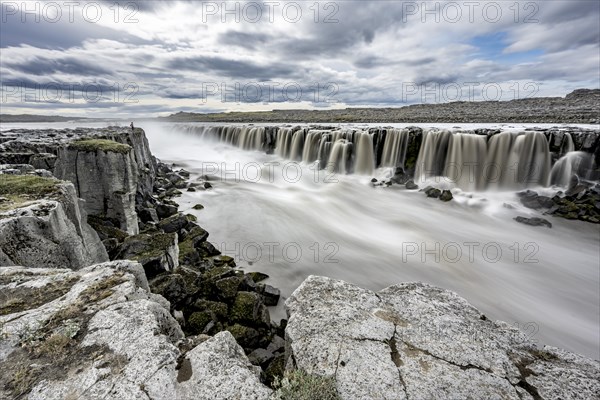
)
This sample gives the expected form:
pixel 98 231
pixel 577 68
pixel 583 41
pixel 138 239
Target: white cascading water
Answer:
pixel 295 153
pixel 574 163
pixel 545 279
pixel 465 161
pixel 310 153
pixel 364 162
pixel 394 148
pixel 508 160
pixel 432 155
pixel 530 161
pixel 339 160
pixel 284 142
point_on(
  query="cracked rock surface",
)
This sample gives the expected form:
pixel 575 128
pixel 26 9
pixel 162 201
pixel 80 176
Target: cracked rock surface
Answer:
pixel 416 341
pixel 98 333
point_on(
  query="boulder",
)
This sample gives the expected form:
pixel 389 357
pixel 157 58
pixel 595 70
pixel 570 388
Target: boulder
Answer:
pixel 171 286
pixel 156 252
pixel 269 294
pixel 219 369
pixel 446 195
pixel 417 341
pixel 411 185
pixel 248 308
pixel 432 192
pixel 535 221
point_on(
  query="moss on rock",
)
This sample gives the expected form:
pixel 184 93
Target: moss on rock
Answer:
pixel 19 189
pixel 197 321
pixel 92 145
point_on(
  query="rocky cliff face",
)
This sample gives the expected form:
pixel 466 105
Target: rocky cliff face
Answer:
pixel 42 224
pixel 42 146
pixel 415 341
pixel 105 174
pixel 100 333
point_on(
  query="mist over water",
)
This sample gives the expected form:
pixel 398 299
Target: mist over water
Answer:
pixel 289 219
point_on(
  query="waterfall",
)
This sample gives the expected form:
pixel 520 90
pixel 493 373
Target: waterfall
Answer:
pixel 530 161
pixel 506 161
pixel 465 160
pixel 297 145
pixel 284 142
pixel 567 145
pixel 394 148
pixel 312 144
pixel 364 162
pixel 574 163
pixel 432 155
pixel 324 150
pixel 339 159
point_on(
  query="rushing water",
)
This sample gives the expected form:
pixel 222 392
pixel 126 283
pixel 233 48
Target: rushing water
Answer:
pixel 290 219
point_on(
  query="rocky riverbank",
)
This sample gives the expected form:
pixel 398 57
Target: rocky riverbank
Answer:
pixel 107 291
pixel 580 106
pixel 127 212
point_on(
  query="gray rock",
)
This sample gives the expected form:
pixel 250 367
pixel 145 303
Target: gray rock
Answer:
pixel 411 185
pixel 156 252
pixel 219 369
pixel 446 195
pixel 50 233
pixel 165 210
pixel 535 221
pixel 148 215
pixel 420 342
pixel 270 294
pixel 106 180
pixel 125 345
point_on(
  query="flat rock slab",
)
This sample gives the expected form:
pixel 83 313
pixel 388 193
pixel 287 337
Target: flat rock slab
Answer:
pixel 98 333
pixel 416 341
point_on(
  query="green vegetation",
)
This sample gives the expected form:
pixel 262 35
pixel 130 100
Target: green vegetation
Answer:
pixel 23 298
pixel 92 145
pixel 298 385
pixel 18 189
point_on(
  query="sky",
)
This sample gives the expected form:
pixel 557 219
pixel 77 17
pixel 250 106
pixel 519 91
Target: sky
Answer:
pixel 153 58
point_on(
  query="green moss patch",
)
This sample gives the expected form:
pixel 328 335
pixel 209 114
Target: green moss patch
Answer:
pixel 19 189
pixel 53 351
pixel 27 298
pixel 92 145
pixel 299 385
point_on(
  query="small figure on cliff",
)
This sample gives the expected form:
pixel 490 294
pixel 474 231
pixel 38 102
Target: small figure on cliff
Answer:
pixel 132 128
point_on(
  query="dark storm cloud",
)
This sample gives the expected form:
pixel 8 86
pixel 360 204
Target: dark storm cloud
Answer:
pixel 233 68
pixel 29 83
pixel 23 29
pixel 375 62
pixel 244 39
pixel 436 80
pixel 65 65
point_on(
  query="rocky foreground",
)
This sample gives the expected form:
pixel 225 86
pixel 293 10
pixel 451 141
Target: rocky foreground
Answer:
pixel 107 291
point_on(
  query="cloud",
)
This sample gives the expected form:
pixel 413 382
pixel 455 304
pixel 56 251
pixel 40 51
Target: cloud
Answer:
pixel 231 68
pixel 67 65
pixel 369 52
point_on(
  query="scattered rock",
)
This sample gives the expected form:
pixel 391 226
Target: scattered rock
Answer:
pixel 411 185
pixel 535 221
pixel 446 195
